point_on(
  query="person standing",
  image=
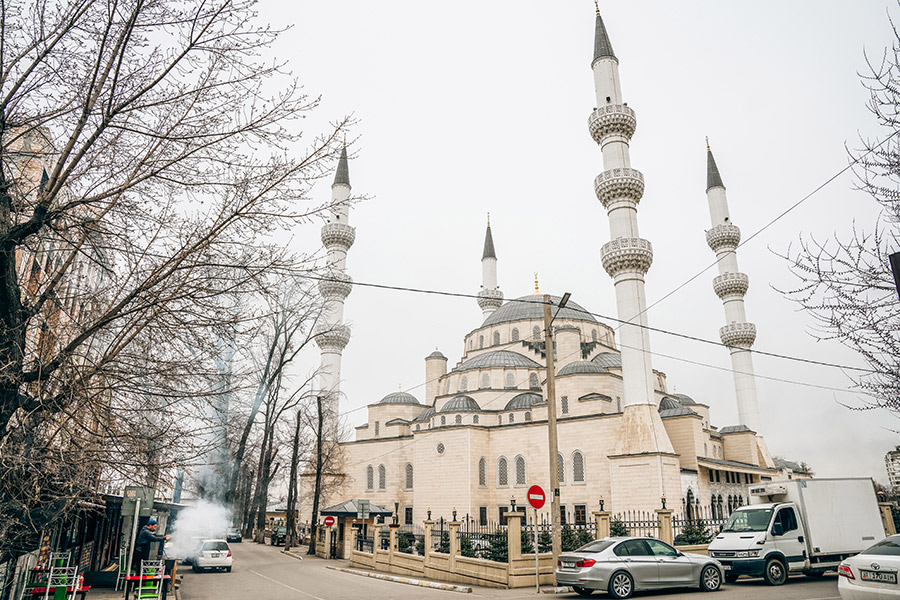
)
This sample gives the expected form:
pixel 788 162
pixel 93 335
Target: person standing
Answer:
pixel 142 545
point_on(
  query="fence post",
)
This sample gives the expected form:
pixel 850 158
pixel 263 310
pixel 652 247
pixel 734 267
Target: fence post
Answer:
pixel 666 533
pixel 514 535
pixel 392 541
pixel 429 524
pixel 454 544
pixel 887 518
pixel 601 523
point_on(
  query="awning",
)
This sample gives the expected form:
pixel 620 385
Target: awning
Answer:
pixel 350 508
pixel 734 466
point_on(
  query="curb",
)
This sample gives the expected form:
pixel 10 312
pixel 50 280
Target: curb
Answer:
pixel 292 554
pixel 417 582
pixel 556 590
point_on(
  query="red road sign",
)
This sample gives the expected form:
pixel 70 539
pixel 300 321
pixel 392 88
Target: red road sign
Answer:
pixel 329 521
pixel 536 496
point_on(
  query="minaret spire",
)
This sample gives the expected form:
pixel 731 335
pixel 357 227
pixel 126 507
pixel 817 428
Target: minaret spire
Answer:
pixel 490 298
pixel 332 335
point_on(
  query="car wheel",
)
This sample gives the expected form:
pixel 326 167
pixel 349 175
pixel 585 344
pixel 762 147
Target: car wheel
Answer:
pixel 710 579
pixel 621 585
pixel 583 592
pixel 775 573
pixel 228 569
pixel 731 577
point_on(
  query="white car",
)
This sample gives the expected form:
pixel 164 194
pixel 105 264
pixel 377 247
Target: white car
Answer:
pixel 872 574
pixel 213 554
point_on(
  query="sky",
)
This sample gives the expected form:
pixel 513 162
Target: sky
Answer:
pixel 465 108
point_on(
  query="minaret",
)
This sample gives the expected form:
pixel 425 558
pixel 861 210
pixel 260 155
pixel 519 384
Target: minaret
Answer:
pixel 331 334
pixel 627 258
pixel 731 285
pixel 490 297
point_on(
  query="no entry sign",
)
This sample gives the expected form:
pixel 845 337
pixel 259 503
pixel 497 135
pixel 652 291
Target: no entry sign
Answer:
pixel 536 497
pixel 329 521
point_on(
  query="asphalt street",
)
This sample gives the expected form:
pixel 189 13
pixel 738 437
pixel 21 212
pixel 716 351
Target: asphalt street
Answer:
pixel 264 572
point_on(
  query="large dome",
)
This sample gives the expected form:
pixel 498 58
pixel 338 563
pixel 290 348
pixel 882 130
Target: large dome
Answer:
pixel 581 367
pixel 608 360
pixel 532 308
pixel 399 398
pixel 498 358
pixel 461 404
pixel 524 401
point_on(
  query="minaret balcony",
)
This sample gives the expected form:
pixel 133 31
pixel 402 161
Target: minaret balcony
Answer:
pixel 725 236
pixel 333 338
pixel 738 334
pixel 612 119
pixel 615 184
pixel 338 235
pixel 490 299
pixel 731 285
pixel 626 254
pixel 335 285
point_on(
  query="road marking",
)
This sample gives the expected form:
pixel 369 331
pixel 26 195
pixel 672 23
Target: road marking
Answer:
pixel 285 585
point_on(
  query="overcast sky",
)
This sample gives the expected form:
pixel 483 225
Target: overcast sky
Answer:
pixel 472 107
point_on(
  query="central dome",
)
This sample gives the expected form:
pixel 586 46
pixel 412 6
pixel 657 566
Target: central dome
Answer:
pixel 532 308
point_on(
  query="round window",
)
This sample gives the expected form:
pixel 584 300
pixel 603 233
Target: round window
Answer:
pixel 440 448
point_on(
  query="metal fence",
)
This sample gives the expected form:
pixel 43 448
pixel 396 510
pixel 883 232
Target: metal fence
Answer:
pixel 440 536
pixel 411 539
pixel 635 523
pixel 698 525
pixel 488 540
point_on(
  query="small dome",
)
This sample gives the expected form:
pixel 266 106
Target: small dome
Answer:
pixel 608 360
pixel 532 308
pixel 684 399
pixel 399 398
pixel 669 404
pixel 436 354
pixel 425 415
pixel 524 401
pixel 498 358
pixel 461 404
pixel 581 367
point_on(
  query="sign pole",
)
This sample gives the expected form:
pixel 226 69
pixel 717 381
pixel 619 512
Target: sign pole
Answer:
pixel 537 568
pixel 137 512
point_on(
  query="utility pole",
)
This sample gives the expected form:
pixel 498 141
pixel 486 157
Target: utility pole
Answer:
pixel 551 425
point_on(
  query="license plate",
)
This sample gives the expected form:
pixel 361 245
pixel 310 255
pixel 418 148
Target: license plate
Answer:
pixel 879 576
pixel 215 555
pixel 568 565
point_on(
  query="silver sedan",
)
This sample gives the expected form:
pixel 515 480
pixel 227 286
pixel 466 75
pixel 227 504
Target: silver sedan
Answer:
pixel 623 565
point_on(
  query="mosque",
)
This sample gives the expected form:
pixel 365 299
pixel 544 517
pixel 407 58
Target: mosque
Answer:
pixel 479 436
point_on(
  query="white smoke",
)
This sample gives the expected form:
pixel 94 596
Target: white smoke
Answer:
pixel 202 521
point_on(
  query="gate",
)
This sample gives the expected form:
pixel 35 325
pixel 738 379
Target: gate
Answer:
pixel 333 544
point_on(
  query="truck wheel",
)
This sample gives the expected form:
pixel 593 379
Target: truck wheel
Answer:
pixel 775 573
pixel 583 592
pixel 731 577
pixel 710 579
pixel 621 585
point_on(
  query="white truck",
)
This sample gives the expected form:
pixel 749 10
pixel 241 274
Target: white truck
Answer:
pixel 798 525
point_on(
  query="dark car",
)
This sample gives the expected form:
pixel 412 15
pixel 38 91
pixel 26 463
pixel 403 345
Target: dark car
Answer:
pixel 233 535
pixel 279 536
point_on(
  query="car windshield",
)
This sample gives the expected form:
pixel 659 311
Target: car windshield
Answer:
pixel 753 519
pixel 215 546
pixel 889 546
pixel 596 546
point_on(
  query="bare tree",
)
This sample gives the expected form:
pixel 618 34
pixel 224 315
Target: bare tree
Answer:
pixel 142 170
pixel 846 283
pixel 292 535
pixel 325 466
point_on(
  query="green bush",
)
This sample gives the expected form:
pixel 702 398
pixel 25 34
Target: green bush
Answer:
pixel 585 536
pixel 527 542
pixel 694 532
pixel 568 538
pixel 545 542
pixel 498 551
pixel 617 528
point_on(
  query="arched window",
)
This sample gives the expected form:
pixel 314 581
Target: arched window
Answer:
pixel 482 472
pixel 443 419
pixel 561 467
pixel 499 419
pixel 593 335
pixel 485 381
pixel 515 334
pixel 376 428
pixel 534 382
pixel 463 384
pixel 512 417
pixel 564 405
pixel 459 419
pixel 418 427
pixel 578 467
pixel 527 416
pixel 475 419
pixel 510 381
pixel 409 476
pixel 712 506
pixel 730 504
pixel 704 448
pixel 481 341
pixel 496 338
pixel 382 477
pixel 536 333
pixel 520 470
pixel 502 472
pixel 370 478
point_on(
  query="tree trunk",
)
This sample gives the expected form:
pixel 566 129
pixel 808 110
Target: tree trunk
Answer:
pixel 292 490
pixel 314 519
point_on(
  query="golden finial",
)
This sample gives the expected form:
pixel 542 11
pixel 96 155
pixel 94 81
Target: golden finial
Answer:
pixel 537 290
pixel 597 6
pixel 489 219
pixel 707 144
pixel 345 139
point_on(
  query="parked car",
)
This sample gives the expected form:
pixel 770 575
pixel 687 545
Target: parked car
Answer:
pixel 279 536
pixel 871 574
pixel 624 565
pixel 233 535
pixel 213 554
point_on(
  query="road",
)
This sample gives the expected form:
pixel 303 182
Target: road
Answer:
pixel 263 572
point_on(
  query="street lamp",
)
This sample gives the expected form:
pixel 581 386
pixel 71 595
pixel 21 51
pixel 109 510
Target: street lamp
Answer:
pixel 556 545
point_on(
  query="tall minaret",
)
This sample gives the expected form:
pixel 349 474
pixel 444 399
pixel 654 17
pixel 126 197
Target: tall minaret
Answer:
pixel 490 297
pixel 331 334
pixel 626 258
pixel 730 286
